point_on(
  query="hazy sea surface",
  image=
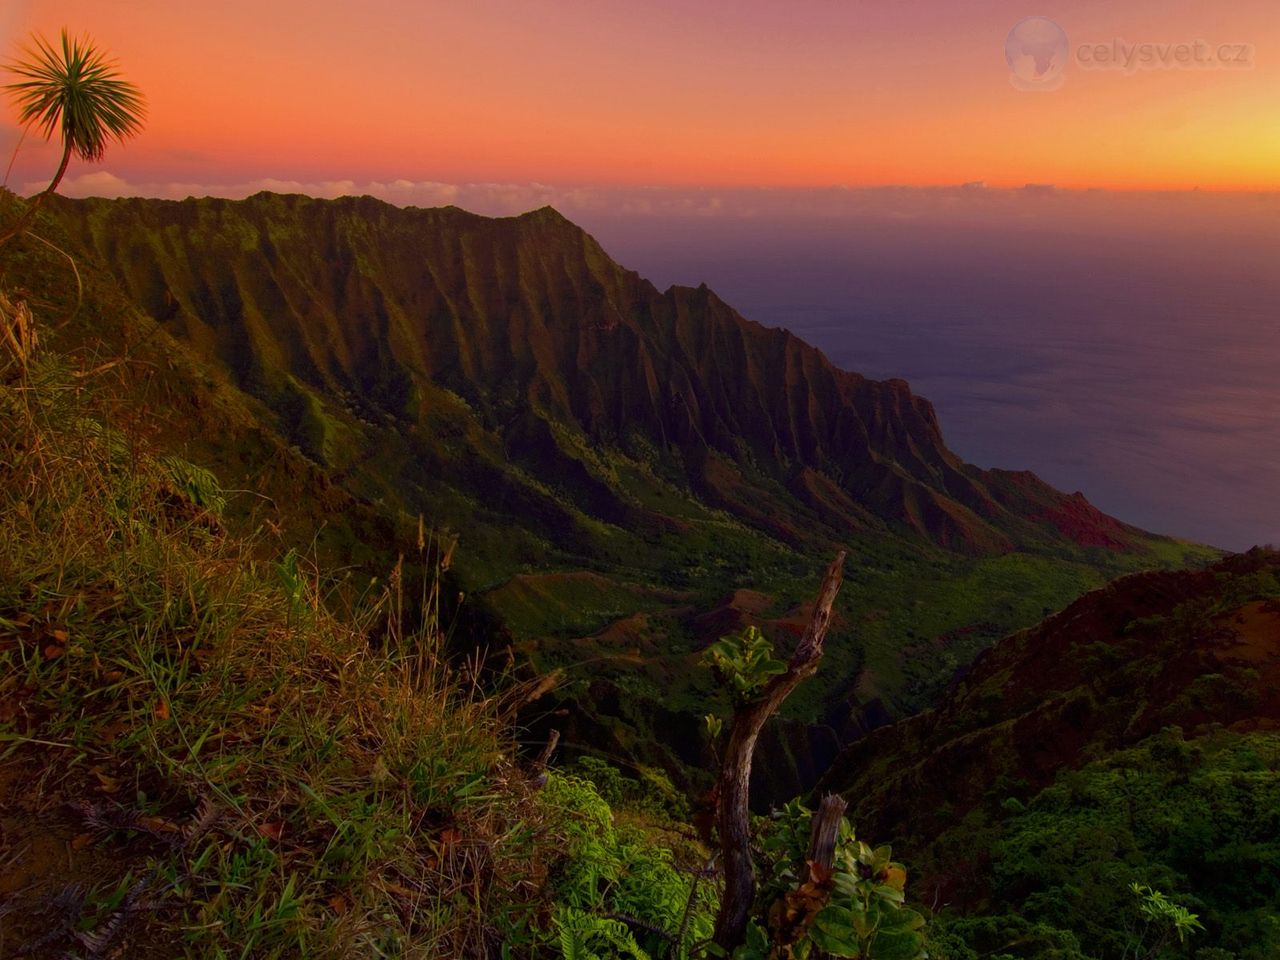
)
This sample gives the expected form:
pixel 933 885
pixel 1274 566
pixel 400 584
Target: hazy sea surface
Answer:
pixel 1138 364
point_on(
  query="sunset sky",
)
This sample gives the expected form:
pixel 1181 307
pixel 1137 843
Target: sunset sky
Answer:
pixel 620 93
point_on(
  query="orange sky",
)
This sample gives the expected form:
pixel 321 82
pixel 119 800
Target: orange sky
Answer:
pixel 807 92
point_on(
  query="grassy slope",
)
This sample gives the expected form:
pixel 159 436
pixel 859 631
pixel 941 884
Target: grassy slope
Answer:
pixel 196 730
pixel 208 754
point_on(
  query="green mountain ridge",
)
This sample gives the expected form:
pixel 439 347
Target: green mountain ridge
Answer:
pixel 1131 738
pixel 529 323
pixel 561 417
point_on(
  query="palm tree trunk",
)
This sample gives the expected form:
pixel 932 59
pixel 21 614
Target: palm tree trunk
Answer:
pixel 57 177
pixel 34 203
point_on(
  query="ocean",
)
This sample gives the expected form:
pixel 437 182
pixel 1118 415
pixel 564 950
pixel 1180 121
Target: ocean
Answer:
pixel 1136 361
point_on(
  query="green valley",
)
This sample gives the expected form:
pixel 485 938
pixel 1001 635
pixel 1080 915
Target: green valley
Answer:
pixel 627 456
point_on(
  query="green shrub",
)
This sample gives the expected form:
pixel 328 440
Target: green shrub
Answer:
pixel 607 874
pixel 652 793
pixel 855 909
pixel 1197 819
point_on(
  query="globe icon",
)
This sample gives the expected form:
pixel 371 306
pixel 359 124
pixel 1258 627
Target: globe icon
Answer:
pixel 1036 51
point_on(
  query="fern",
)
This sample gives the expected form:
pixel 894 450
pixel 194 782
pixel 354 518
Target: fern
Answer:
pixel 585 936
pixel 197 484
pixel 617 894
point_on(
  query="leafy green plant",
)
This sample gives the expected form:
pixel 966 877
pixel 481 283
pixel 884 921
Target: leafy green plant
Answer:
pixel 197 484
pixel 615 893
pixel 586 936
pixel 294 583
pixel 855 908
pixel 1161 920
pixel 744 662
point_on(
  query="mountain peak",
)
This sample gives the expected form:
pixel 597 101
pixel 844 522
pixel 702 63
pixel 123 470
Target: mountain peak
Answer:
pixel 546 213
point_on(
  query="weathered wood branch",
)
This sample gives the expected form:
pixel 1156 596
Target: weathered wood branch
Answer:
pixel 732 816
pixel 825 830
pixel 539 779
pixel 553 738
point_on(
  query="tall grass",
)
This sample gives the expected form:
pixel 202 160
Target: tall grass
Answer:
pixel 18 340
pixel 239 771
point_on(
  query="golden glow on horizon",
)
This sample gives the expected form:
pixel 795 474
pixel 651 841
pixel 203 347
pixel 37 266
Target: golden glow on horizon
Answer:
pixel 751 93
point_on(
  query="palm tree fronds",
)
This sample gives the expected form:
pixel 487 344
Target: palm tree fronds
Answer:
pixel 75 92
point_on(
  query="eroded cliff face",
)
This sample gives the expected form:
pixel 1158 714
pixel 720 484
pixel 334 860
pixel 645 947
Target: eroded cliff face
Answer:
pixel 405 314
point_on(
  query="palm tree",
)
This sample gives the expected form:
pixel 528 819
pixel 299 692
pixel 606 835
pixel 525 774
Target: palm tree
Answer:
pixel 75 92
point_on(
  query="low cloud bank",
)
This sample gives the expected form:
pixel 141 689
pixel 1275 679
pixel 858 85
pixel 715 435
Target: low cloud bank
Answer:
pixel 1037 206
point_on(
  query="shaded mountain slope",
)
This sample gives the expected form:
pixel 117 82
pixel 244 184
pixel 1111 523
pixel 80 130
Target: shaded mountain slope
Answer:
pixel 1133 738
pixel 1198 650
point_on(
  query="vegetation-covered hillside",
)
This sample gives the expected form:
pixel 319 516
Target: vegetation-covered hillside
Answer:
pixel 208 754
pixel 1196 818
pixel 1131 738
pixel 217 744
pixel 619 464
